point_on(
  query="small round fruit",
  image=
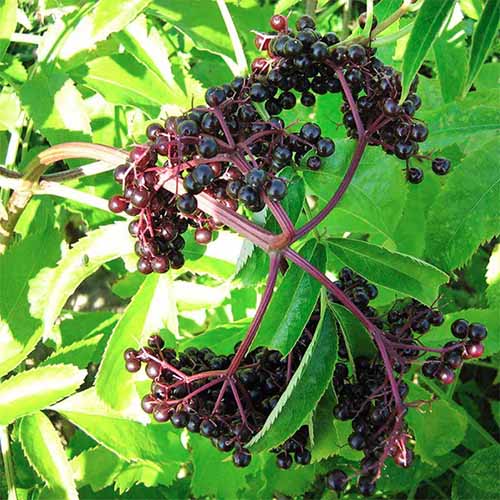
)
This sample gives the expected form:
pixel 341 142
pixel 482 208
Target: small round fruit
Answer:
pixel 179 419
pixel 477 332
pixel 441 166
pixel 284 460
pixel 133 365
pixel 325 147
pixel 336 480
pixel 310 132
pixel 242 458
pixel 314 163
pixel 366 486
pixel 144 266
pixel 148 403
pixel 203 174
pixel 117 204
pixel 303 457
pixel 203 236
pixel 415 175
pixel 160 264
pixel 460 328
pixel 276 189
pixel 187 203
pixel 473 350
pixel 162 413
pixel 446 375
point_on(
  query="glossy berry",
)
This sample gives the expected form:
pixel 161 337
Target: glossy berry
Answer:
pixel 453 360
pixel 242 458
pixel 477 332
pixel 303 457
pixel 473 350
pixel 160 264
pixel 179 419
pixel 357 54
pixel 356 441
pixel 441 166
pixel 117 204
pixel 208 147
pixel 307 99
pixel 336 480
pixel 325 147
pixel 366 486
pixel 284 460
pixel 310 132
pixel 278 22
pixel 276 189
pixel 133 365
pixel 445 375
pixel 203 236
pixel 414 175
pixel 314 163
pixel 460 328
pixel 215 96
pixel 162 413
pixel 248 195
pixel 203 174
pixel 187 203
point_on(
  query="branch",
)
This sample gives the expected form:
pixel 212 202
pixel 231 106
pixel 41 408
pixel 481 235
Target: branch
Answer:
pixel 347 302
pixel 346 181
pixel 7 462
pixel 259 314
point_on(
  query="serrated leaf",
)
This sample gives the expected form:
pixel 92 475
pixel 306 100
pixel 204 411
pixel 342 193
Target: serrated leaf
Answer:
pixel 121 79
pixel 147 473
pixel 450 51
pixel 402 273
pixel 438 428
pixel 151 309
pixel 8 21
pixel 292 303
pixel 468 123
pixel 126 438
pixel 493 279
pixel 80 353
pixel 96 24
pixel 484 35
pixel 358 340
pixel 36 389
pixel 477 477
pixel 44 451
pixel 220 339
pixel 462 216
pixel 19 330
pixel 96 467
pixel 61 114
pixel 304 390
pixel 375 199
pixel 428 23
pixel 52 287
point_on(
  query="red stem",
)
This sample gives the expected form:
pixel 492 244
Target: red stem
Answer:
pixel 346 181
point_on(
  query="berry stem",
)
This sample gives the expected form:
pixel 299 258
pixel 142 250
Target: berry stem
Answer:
pixel 346 181
pixel 274 266
pixel 347 302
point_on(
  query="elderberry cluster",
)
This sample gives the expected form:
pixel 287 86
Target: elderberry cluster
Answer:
pixel 469 346
pixel 363 398
pixel 186 390
pixel 309 63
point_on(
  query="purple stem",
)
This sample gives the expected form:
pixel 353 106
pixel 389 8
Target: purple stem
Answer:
pixel 317 219
pixel 346 301
pixel 259 314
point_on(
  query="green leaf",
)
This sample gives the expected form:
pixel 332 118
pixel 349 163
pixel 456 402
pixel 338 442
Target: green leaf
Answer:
pixel 451 60
pixel 96 467
pixel 52 287
pixel 112 16
pixel 11 107
pixel 220 339
pixel 493 279
pixel 304 390
pixel 121 79
pixel 325 435
pixel 147 473
pixel 438 428
pixel 8 21
pixel 126 438
pixel 80 353
pixel 36 389
pixel 19 330
pixel 470 122
pixel 213 474
pixel 375 199
pixel 151 309
pixel 477 477
pixel 292 303
pixel 462 217
pixel 430 19
pixel 402 273
pixel 43 449
pixel 149 48
pixel 61 114
pixel 483 38
pixel 358 340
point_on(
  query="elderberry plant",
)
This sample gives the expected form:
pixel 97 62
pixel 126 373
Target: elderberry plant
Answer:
pixel 281 288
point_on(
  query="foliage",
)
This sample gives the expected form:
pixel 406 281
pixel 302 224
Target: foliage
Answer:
pixel 71 300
